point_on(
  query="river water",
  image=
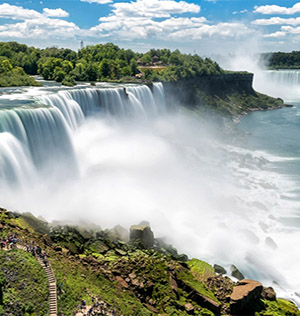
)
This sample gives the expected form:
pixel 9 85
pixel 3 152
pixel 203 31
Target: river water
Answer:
pixel 107 155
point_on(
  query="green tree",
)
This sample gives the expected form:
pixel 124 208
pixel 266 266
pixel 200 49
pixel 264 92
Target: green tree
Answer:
pixel 104 69
pixel 5 65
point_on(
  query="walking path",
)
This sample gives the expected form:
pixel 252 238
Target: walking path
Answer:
pixel 52 286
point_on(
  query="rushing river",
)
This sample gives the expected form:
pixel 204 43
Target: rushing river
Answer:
pixel 115 154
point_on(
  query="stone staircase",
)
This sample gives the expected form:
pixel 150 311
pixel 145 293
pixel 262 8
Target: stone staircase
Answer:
pixel 52 286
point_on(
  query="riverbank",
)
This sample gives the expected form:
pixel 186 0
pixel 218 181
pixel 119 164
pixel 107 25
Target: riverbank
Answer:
pixel 131 273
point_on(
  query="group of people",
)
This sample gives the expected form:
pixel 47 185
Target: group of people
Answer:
pixel 37 251
pixel 10 242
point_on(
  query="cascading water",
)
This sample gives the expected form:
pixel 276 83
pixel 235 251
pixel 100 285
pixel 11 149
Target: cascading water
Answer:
pixel 279 83
pixel 215 199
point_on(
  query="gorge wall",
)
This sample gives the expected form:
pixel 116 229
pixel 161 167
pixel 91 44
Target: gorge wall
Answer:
pixel 231 94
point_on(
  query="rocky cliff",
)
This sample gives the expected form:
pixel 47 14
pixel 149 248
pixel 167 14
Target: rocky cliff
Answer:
pixel 231 94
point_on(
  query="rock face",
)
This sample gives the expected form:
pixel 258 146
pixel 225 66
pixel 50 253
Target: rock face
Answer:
pixel 244 297
pixel 142 234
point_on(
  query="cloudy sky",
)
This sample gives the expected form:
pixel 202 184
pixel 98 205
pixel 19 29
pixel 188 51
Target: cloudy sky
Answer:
pixel 205 26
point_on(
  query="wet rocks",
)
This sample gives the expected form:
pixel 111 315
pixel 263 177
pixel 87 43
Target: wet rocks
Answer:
pixel 219 269
pixel 245 296
pixel 236 273
pixel 269 294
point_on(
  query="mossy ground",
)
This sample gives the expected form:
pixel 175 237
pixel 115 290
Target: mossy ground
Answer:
pixel 278 308
pixel 25 286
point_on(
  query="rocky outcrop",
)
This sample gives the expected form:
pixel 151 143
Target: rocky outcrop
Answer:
pixel 228 94
pixel 184 92
pixel 235 272
pixel 143 235
pixel 269 294
pixel 245 296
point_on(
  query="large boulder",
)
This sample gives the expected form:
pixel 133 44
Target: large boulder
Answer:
pixel 235 272
pixel 143 235
pixel 245 297
pixel 269 294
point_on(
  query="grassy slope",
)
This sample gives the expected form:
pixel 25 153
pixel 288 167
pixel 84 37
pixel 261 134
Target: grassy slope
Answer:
pixel 25 291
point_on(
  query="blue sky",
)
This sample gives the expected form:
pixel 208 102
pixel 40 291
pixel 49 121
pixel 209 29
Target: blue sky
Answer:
pixel 207 27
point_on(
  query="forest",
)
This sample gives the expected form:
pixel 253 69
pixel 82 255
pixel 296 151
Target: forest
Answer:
pixel 280 60
pixel 102 62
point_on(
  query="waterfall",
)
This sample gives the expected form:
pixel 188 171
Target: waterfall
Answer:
pixel 38 138
pixel 125 101
pixel 279 83
pixel 31 140
pixel 15 163
pixel 285 77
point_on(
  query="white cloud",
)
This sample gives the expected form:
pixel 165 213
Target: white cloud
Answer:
pixel 42 28
pixel 35 25
pixel 153 8
pixel 59 13
pixel 225 30
pixel 13 12
pixel 277 21
pixel 275 35
pixel 98 1
pixel 275 9
pixel 291 30
pixel 139 20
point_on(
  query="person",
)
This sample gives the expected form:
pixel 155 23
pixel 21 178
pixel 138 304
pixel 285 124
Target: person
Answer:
pixel 3 243
pixel 45 260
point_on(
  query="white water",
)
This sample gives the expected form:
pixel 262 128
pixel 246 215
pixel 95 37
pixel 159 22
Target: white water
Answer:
pixel 109 157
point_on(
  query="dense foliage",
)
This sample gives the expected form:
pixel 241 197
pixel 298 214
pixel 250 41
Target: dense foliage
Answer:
pixel 13 76
pixel 105 62
pixel 282 60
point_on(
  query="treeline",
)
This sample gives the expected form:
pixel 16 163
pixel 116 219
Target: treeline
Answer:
pixel 280 60
pixel 105 62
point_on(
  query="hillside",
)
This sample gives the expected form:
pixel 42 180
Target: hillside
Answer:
pixel 143 276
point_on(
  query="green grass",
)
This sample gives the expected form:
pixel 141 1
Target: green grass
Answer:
pixel 25 289
pixel 201 269
pixel 279 308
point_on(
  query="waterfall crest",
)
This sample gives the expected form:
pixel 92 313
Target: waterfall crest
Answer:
pixel 285 77
pixel 126 101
